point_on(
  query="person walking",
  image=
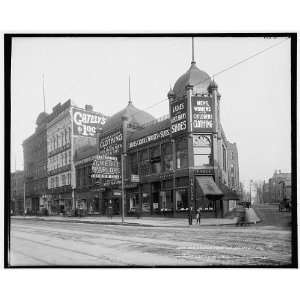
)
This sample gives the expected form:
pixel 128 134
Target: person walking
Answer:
pixel 198 216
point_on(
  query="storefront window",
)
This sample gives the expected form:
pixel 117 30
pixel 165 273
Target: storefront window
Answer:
pixel 208 206
pixel 167 157
pixel 166 200
pixel 146 202
pixel 181 200
pixel 133 201
pixel 181 154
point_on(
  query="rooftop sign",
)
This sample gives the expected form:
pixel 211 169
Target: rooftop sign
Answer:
pixel 86 122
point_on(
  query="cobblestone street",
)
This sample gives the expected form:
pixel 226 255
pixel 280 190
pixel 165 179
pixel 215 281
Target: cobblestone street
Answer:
pixel 56 243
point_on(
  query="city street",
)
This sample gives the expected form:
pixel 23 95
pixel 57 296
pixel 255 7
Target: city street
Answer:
pixel 43 243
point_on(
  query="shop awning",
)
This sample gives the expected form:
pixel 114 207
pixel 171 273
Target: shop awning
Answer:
pixel 228 193
pixel 208 186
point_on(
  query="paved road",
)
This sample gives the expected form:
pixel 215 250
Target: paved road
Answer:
pixel 270 215
pixel 53 243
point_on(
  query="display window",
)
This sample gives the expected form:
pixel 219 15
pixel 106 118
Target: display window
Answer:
pixel 182 200
pixel 166 200
pixel 181 154
pixel 202 146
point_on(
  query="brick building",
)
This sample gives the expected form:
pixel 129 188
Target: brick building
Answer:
pixel 35 165
pixel 68 128
pixel 17 192
pixel 277 188
pixel 175 162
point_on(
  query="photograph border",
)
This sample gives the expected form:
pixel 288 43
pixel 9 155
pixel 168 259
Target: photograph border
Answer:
pixel 7 137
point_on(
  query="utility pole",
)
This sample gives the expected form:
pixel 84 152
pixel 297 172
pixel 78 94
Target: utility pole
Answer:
pixel 123 162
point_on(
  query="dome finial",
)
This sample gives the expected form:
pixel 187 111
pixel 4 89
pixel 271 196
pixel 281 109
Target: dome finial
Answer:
pixel 193 56
pixel 129 87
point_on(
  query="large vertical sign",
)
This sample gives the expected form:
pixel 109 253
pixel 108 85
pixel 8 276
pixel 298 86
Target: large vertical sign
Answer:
pixel 111 144
pixel 178 113
pixel 202 114
pixel 86 122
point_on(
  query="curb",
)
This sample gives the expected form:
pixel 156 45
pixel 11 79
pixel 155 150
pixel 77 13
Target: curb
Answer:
pixel 120 223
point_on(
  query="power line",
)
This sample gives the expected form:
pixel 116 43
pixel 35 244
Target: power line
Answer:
pixel 224 70
pixel 249 57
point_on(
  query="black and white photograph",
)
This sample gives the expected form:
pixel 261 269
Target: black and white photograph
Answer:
pixel 150 150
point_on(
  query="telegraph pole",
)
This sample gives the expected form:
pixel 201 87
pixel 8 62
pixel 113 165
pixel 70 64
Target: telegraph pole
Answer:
pixel 123 162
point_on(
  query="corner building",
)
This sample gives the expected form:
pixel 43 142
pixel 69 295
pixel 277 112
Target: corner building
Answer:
pixel 175 162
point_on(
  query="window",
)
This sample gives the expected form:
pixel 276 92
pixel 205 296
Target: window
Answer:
pixel 167 156
pixel 202 147
pixel 133 163
pixel 63 179
pixel 69 134
pixel 144 162
pixel 155 160
pixel 69 157
pixel 62 139
pixel 166 198
pixel 181 199
pixel 181 154
pixel 56 181
pixel 224 158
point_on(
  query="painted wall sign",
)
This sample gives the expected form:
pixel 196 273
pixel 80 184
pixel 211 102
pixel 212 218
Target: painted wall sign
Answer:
pixel 111 144
pixel 105 167
pixel 150 138
pixel 202 114
pixel 86 122
pixel 178 113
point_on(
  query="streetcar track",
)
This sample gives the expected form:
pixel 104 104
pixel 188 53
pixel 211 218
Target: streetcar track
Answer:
pixel 32 257
pixel 70 250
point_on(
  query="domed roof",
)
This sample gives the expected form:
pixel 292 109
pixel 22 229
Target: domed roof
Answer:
pixel 41 118
pixel 200 81
pixel 134 115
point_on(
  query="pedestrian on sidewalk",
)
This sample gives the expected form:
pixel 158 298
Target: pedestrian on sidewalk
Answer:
pixel 190 215
pixel 198 216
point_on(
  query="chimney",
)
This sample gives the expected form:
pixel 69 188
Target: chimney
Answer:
pixel 88 107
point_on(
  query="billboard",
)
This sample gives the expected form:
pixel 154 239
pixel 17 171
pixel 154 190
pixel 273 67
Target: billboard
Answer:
pixel 86 122
pixel 203 114
pixel 149 138
pixel 111 144
pixel 178 113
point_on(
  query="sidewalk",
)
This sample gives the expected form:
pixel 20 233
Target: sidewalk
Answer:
pixel 144 221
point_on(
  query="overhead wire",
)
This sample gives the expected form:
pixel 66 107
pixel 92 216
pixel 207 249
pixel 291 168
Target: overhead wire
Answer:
pixel 224 70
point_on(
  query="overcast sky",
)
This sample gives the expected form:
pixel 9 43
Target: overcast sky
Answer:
pixel 255 102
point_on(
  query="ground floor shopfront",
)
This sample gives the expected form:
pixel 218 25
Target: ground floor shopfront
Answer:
pixel 169 195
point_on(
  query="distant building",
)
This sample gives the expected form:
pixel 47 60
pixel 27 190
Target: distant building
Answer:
pixel 277 187
pixel 17 192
